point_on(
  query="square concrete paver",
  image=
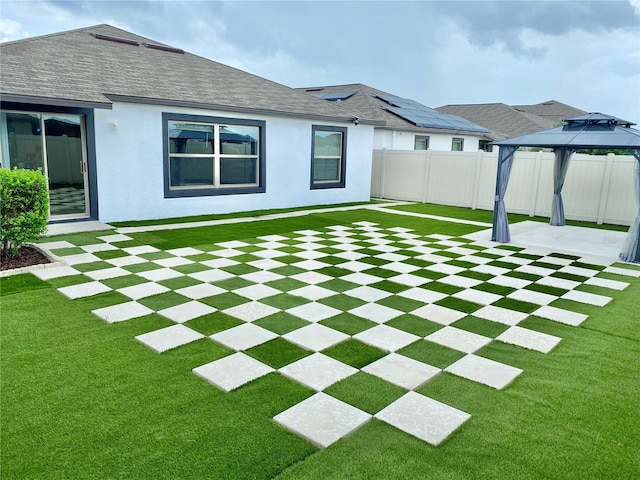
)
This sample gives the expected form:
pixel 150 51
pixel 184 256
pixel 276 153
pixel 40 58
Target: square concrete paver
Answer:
pixel 125 261
pixel 202 290
pixel 312 292
pixel 213 275
pixel 530 339
pixel 458 339
pixel 173 262
pixel 184 251
pixel 500 315
pixel 140 250
pixel 460 281
pixel 603 282
pixel 322 419
pixel 360 278
pixel 243 336
pixel 556 282
pixel 98 247
pixel 402 371
pixel 315 337
pixel 313 312
pixel 257 291
pixel 423 295
pixel 122 312
pixel 231 372
pixel 311 278
pixel 386 338
pixel 423 417
pixel 142 290
pixel 107 273
pixel 559 315
pixel 512 282
pixel 477 296
pixel 485 371
pixel 585 297
pixel 80 258
pixel 248 312
pixel 160 274
pixel 368 294
pixel 531 296
pixel 375 312
pixel 317 371
pixel 84 290
pixel 55 272
pixel 261 276
pixel 170 337
pixel 409 280
pixel 220 263
pixel 439 314
pixel 186 311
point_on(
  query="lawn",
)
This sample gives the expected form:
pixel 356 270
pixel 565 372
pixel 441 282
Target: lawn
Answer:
pixel 80 398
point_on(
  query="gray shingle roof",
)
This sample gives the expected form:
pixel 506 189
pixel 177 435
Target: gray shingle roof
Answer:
pixel 366 105
pixel 503 121
pixel 75 68
pixel 551 110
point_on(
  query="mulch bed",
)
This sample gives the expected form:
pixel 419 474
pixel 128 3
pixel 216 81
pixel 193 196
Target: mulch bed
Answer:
pixel 27 256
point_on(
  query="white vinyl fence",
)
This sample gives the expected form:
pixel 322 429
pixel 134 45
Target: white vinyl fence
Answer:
pixel 598 188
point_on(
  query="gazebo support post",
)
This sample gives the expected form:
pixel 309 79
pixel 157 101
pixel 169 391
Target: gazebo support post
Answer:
pixel 560 168
pixel 631 247
pixel 500 232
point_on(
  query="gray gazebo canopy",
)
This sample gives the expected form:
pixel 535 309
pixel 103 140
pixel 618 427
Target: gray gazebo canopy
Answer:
pixel 592 130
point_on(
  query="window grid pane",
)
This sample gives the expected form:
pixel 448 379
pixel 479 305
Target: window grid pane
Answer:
pixel 327 159
pixel 213 155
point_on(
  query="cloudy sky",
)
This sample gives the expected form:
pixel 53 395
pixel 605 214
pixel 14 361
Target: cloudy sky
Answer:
pixel 585 54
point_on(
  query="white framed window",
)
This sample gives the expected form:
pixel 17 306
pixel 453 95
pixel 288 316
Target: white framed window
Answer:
pixel 212 155
pixel 421 142
pixel 328 157
pixel 457 144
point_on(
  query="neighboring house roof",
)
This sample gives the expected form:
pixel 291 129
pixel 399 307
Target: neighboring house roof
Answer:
pixel 97 65
pixel 551 110
pixel 503 121
pixel 397 113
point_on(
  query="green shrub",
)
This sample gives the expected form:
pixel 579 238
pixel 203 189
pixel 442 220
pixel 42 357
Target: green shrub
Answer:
pixel 24 208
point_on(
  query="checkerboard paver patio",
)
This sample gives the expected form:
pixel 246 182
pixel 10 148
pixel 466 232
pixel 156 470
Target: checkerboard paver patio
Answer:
pixel 319 289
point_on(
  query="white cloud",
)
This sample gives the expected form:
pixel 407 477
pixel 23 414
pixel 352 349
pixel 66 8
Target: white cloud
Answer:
pixel 11 30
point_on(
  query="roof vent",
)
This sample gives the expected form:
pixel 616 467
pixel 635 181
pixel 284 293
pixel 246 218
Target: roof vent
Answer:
pixel 109 38
pixel 164 48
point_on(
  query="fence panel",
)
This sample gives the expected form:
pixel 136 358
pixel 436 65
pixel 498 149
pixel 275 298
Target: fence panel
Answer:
pixel 598 188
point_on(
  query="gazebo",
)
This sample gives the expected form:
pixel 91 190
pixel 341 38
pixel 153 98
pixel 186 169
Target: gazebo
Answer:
pixel 592 130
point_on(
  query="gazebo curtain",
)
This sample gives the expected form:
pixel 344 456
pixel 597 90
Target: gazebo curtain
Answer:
pixel 560 168
pixel 631 246
pixel 500 231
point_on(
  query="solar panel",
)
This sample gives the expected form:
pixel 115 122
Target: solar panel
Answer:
pixel 423 116
pixel 334 96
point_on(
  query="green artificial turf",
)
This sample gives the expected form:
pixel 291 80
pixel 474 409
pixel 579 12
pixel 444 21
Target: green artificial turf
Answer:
pixel 81 399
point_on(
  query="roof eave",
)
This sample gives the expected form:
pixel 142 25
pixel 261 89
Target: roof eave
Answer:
pixel 235 108
pixel 53 102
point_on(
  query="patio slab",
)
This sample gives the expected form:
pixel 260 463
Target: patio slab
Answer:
pixel 485 371
pixel 402 371
pixel 167 338
pixel 229 373
pixel 423 417
pixel 321 419
pixel 317 371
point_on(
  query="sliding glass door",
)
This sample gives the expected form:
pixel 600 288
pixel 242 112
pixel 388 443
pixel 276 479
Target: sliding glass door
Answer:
pixel 55 143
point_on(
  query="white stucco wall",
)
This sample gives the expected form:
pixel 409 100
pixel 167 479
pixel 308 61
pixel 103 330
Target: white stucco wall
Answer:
pixel 397 140
pixel 129 160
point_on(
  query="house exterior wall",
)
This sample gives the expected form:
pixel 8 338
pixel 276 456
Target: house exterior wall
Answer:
pixel 129 157
pixel 598 188
pixel 399 140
